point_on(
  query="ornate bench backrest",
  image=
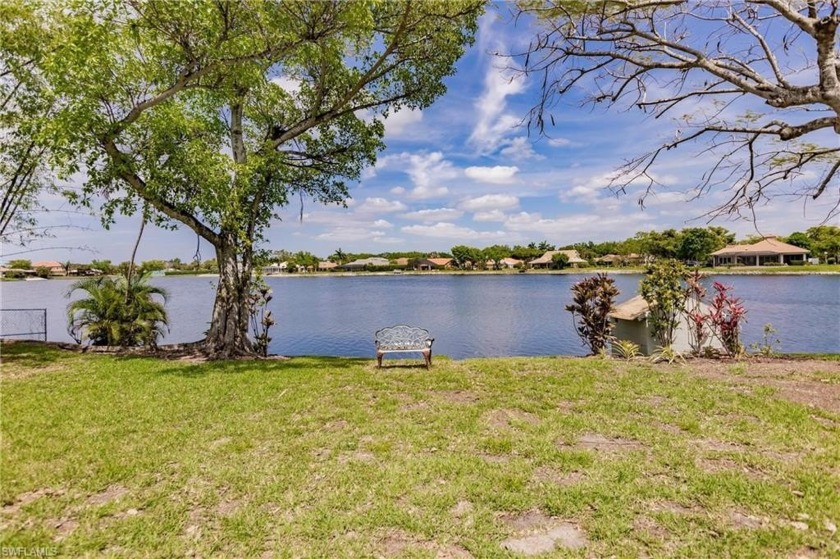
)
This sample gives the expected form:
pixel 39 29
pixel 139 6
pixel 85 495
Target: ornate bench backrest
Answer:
pixel 403 337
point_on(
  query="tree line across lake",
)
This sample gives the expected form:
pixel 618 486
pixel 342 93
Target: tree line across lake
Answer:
pixel 691 244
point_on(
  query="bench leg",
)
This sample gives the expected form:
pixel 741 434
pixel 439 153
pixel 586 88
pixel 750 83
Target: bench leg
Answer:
pixel 427 355
pixel 379 355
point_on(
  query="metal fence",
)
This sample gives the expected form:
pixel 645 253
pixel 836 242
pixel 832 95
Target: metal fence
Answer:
pixel 23 324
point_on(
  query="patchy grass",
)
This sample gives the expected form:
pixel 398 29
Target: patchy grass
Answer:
pixel 321 457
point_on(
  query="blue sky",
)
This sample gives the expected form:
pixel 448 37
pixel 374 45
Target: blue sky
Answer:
pixel 466 171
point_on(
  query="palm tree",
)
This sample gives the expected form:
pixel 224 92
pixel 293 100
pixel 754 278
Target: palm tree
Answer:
pixel 338 257
pixel 117 312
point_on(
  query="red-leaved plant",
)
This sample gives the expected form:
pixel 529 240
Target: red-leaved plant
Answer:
pixel 725 316
pixel 698 329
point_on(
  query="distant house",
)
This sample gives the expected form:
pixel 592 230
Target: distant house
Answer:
pixel 769 250
pixel 361 264
pixel 630 318
pixel 619 259
pixel 546 260
pixel 326 266
pixel 433 264
pixel 55 268
pixel 402 262
pixel 276 268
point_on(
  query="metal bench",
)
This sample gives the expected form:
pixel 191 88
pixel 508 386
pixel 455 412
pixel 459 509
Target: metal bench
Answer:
pixel 401 339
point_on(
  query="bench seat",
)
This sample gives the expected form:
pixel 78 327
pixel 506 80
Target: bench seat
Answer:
pixel 401 339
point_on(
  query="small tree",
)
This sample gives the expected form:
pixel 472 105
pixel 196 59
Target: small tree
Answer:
pixel 20 264
pixel 42 272
pixel 592 301
pixel 559 261
pixel 663 289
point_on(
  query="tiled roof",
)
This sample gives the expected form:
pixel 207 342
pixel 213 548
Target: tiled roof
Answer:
pixel 769 245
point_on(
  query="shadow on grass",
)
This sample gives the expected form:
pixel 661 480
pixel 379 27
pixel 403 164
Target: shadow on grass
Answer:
pixel 27 353
pixel 281 366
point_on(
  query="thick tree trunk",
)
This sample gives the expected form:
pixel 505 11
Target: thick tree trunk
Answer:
pixel 228 333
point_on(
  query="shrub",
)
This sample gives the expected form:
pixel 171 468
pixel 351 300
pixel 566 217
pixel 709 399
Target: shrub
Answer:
pixel 42 272
pixel 668 354
pixel 768 346
pixel 592 301
pixel 725 316
pixel 662 287
pixel 117 311
pixel 625 349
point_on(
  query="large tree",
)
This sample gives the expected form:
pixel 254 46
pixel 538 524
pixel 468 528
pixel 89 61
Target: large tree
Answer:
pixel 24 174
pixel 756 83
pixel 217 115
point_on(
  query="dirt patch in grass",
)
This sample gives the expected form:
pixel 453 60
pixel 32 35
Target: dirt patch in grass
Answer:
pixel 29 497
pixel 456 396
pixel 740 519
pixel 722 464
pixel 506 418
pixel 537 533
pixel 111 494
pixel 604 445
pixel 64 528
pixel 650 527
pixel 399 543
pixel 796 380
pixel 544 474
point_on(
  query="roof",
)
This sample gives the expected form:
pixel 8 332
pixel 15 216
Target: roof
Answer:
pixel 47 264
pixel 631 309
pixel 574 257
pixel 439 261
pixel 327 265
pixel 768 245
pixel 373 261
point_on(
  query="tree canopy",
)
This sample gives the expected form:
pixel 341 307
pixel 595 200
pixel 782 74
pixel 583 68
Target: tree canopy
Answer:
pixel 756 84
pixel 218 115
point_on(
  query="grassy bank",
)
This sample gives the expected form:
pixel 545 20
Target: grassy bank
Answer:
pixel 321 457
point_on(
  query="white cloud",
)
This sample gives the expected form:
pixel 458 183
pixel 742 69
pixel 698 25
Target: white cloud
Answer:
pixel 493 123
pixel 345 234
pixel 577 227
pixel 520 149
pixel 495 175
pixel 380 205
pixel 401 122
pixel 397 190
pixel 439 214
pixel 427 172
pixel 492 215
pixel 489 202
pixel 452 232
pixel 291 85
pixel 559 142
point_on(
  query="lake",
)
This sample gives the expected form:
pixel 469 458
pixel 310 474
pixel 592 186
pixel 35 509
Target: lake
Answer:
pixel 469 315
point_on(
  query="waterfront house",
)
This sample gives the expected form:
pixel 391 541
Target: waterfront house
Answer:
pixel 769 250
pixel 55 268
pixel 276 268
pixel 631 323
pixel 361 264
pixel 545 261
pixel 327 266
pixel 433 264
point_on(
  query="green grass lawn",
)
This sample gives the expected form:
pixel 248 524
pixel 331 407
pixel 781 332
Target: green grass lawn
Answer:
pixel 328 457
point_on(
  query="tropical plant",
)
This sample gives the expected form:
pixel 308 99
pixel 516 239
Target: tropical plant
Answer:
pixel 663 289
pixel 769 345
pixel 117 311
pixel 260 316
pixel 698 320
pixel 725 316
pixel 667 354
pixel 625 349
pixel 592 301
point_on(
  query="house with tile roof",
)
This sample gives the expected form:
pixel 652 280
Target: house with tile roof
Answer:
pixel 769 250
pixel 545 260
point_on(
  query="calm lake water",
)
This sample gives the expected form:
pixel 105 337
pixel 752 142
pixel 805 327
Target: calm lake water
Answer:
pixel 469 316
